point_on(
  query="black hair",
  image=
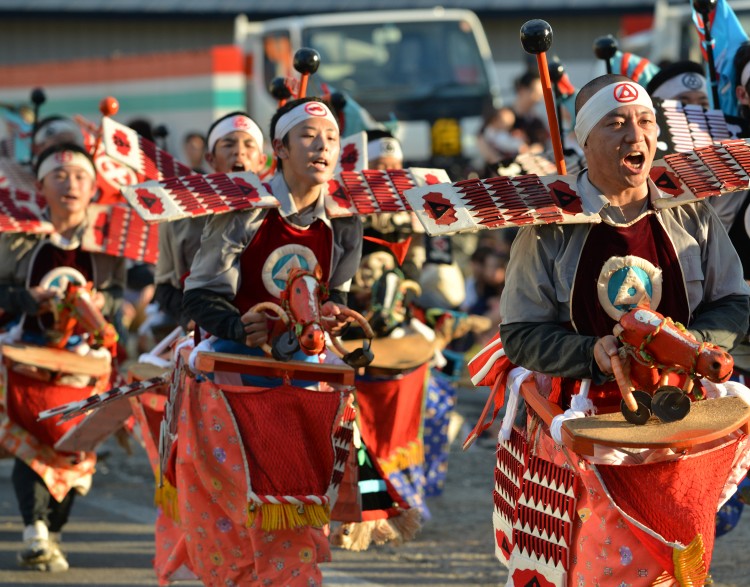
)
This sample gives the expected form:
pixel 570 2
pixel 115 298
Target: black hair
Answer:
pixel 47 120
pixel 142 127
pixel 374 134
pixel 526 79
pixel 57 149
pixel 673 70
pixel 741 58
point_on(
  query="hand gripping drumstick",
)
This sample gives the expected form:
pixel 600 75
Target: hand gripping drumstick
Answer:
pixel 536 38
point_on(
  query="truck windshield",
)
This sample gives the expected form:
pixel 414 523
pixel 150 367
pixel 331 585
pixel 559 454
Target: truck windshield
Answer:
pixel 381 65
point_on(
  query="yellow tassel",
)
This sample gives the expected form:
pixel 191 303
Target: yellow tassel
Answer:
pixel 403 458
pixel 689 565
pixel 277 516
pixel 165 497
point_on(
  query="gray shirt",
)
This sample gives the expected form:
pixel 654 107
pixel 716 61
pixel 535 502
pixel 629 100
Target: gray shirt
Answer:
pixel 539 281
pixel 217 263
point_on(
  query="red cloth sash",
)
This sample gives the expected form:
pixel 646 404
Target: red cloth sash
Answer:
pixel 274 233
pixel 26 397
pixel 390 412
pixel 286 432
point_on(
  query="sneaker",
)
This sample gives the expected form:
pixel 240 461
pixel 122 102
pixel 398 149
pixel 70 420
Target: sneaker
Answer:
pixel 57 562
pixel 36 545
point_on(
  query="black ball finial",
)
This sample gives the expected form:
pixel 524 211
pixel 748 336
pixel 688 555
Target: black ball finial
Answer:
pixel 536 36
pixel 278 89
pixel 38 97
pixel 605 47
pixel 556 70
pixel 161 132
pixel 704 6
pixel 306 60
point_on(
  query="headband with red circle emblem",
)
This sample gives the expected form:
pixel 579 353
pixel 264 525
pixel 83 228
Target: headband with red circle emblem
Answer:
pixel 608 98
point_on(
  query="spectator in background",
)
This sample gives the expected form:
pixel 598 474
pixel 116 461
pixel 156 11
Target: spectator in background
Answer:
pixel 684 81
pixel 194 148
pixel 528 95
pixel 498 140
pixel 484 286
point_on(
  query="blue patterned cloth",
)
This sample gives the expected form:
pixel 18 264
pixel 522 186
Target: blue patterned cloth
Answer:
pixel 439 404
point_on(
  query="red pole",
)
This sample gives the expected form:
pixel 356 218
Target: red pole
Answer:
pixel 549 104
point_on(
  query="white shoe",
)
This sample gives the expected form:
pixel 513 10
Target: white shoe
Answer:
pixel 36 545
pixel 57 562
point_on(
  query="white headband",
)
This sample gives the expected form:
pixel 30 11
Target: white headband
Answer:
pixel 239 122
pixel 685 82
pixel 57 127
pixel 745 76
pixel 304 111
pixel 604 101
pixel 384 147
pixel 65 159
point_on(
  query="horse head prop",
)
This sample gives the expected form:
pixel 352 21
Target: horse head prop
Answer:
pixel 74 310
pixel 307 319
pixel 657 347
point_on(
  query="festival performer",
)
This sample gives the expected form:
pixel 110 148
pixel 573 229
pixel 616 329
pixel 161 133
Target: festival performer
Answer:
pixel 684 81
pixel 235 143
pixel 245 258
pixel 45 480
pixel 565 284
pixel 241 250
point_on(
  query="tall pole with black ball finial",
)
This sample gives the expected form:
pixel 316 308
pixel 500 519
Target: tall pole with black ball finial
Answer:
pixel 279 90
pixel 536 39
pixel 605 48
pixel 556 72
pixel 705 8
pixel 38 97
pixel 306 61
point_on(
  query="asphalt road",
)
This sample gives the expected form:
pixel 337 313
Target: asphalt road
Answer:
pixel 109 540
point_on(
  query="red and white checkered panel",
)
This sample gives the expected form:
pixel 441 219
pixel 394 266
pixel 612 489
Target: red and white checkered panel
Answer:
pixel 371 191
pixel 498 202
pixel 709 171
pixel 21 212
pixel 126 146
pixel 117 230
pixel 353 153
pixel 198 195
pixel 15 175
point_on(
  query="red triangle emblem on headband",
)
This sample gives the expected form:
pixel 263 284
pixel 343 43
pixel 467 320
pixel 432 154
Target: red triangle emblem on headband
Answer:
pixel 625 92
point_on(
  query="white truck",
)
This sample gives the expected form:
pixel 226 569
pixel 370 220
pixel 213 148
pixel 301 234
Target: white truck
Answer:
pixel 430 71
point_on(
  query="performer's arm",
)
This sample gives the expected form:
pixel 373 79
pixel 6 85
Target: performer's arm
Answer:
pixel 723 322
pixel 213 313
pixel 169 299
pixel 347 252
pixel 550 348
pixel 14 297
pixel 722 316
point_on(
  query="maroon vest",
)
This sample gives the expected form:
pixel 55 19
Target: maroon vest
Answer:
pixel 49 257
pixel 276 248
pixel 647 239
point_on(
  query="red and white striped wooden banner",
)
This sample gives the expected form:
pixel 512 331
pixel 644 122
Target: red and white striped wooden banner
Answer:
pixel 198 195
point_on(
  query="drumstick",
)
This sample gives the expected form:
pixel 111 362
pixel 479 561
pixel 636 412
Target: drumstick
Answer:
pixel 306 61
pixel 605 48
pixel 622 382
pixel 536 38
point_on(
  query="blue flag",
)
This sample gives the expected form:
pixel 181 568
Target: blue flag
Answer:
pixel 727 35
